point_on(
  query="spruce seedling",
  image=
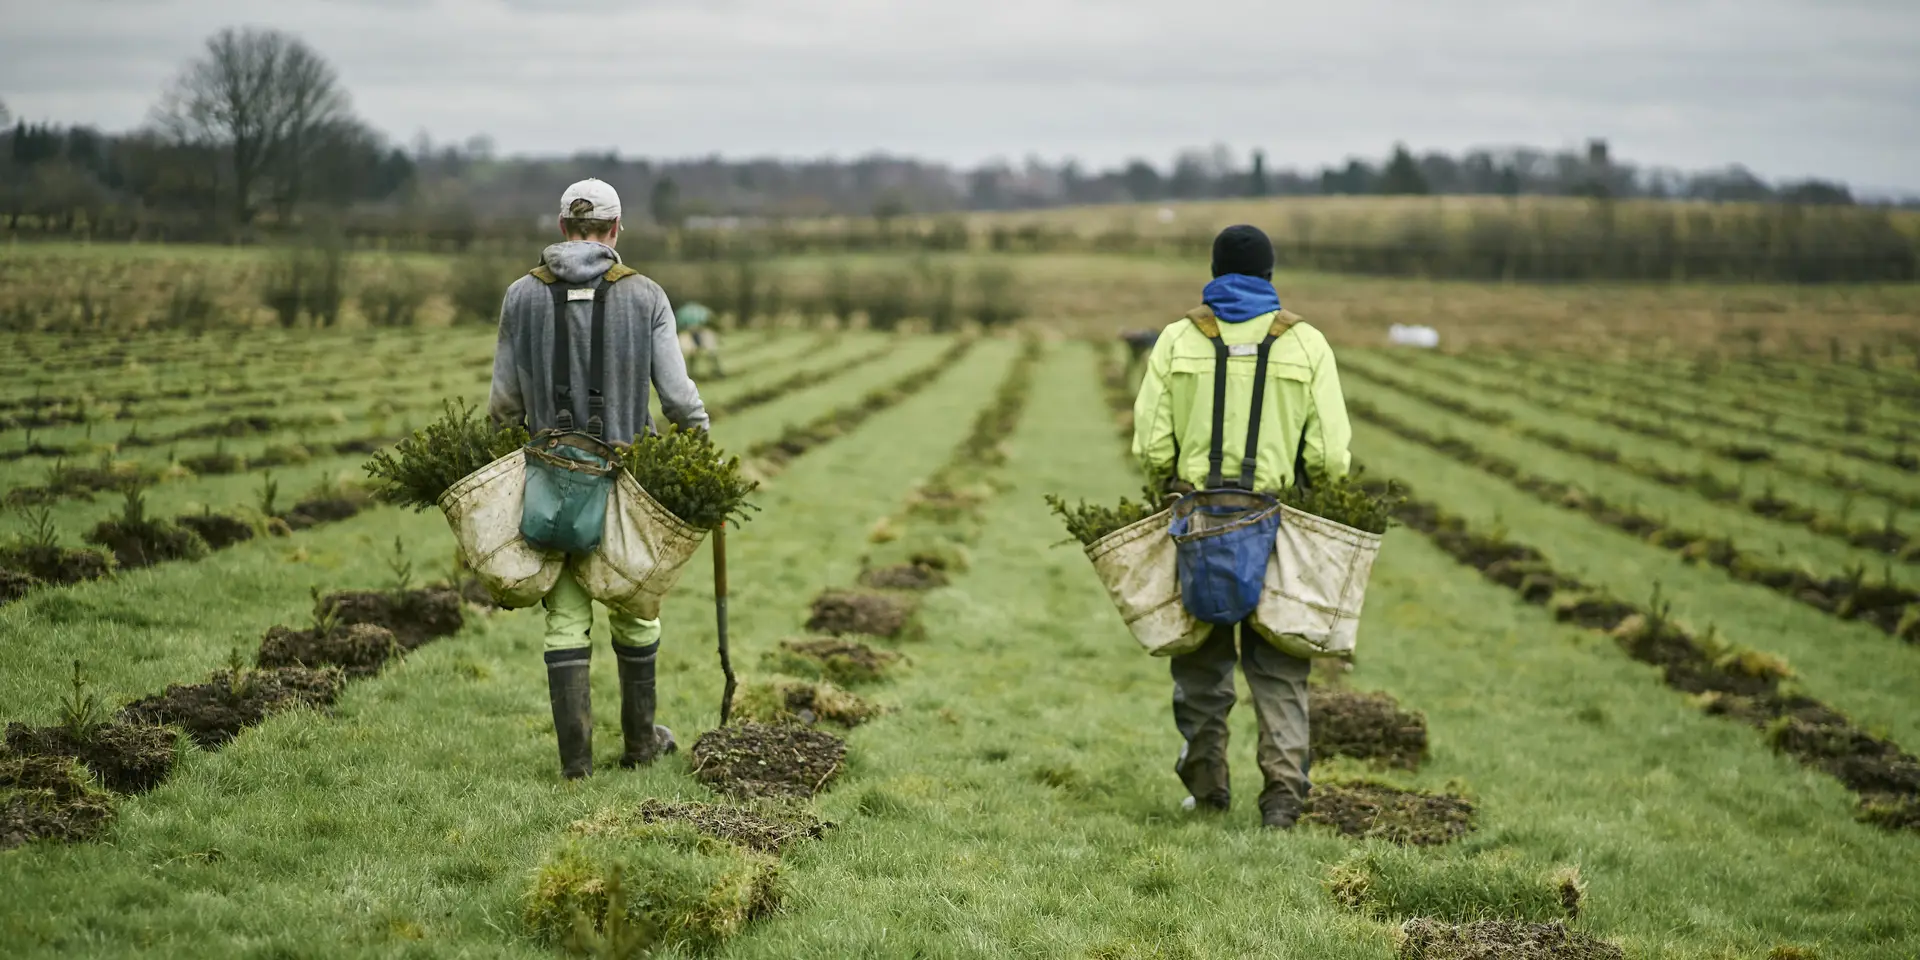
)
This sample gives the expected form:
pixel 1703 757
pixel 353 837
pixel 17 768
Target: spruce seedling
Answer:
pixel 240 675
pixel 269 492
pixel 326 616
pixel 81 713
pixel 620 938
pixel 402 567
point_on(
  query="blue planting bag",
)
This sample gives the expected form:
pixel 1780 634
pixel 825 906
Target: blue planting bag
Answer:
pixel 1223 540
pixel 569 478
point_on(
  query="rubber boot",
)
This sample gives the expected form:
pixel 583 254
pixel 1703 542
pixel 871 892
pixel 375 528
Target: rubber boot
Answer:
pixel 645 740
pixel 568 672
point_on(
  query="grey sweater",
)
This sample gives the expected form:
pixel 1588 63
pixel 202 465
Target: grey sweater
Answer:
pixel 642 348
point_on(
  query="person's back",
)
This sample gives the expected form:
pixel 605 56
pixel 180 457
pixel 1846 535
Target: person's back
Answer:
pixel 1303 433
pixel 638 350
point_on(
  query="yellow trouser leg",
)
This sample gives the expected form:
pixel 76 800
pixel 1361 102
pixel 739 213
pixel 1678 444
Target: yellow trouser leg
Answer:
pixel 570 618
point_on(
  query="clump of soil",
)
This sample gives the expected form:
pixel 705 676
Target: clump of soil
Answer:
pixel 784 700
pixel 749 760
pixel 846 662
pixel 322 508
pixel 56 565
pixel 142 543
pixel 905 576
pixel 127 757
pixel 359 650
pixel 414 616
pixel 1406 817
pixel 46 798
pixel 214 712
pixel 1365 726
pixel 839 612
pixel 219 530
pixel 15 584
pixel 662 886
pixel 1423 939
pixel 767 829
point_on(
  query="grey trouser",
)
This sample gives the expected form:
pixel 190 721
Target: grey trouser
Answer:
pixel 1203 694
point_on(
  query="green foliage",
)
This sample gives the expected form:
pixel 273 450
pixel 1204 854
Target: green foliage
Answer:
pixel 81 712
pixel 678 889
pixel 417 470
pixel 401 566
pixel 1088 523
pixel 691 477
pixel 1345 501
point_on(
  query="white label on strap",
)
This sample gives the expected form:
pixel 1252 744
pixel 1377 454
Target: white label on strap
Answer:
pixel 1242 349
pixel 580 293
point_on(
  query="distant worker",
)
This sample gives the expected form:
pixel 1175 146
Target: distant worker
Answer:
pixel 1139 344
pixel 610 309
pixel 699 342
pixel 1304 432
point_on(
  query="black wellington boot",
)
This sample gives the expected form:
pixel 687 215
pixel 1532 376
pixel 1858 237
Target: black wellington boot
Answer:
pixel 568 672
pixel 645 740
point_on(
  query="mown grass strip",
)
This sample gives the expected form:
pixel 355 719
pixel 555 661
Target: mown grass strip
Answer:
pixel 771 456
pixel 1886 538
pixel 1850 596
pixel 761 396
pixel 1725 680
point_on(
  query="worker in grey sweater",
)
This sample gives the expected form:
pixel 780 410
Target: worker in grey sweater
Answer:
pixel 641 349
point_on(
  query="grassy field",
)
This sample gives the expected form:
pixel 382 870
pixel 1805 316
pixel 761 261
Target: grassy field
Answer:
pixel 1014 796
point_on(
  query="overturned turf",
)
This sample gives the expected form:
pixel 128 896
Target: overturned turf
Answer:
pixel 904 576
pixel 1423 939
pixel 127 757
pixel 1406 817
pixel 767 829
pixel 414 616
pixel 219 530
pixel 1365 726
pixel 360 650
pixel 214 712
pixel 786 700
pixel 748 760
pixel 47 798
pixel 840 612
pixel 140 542
pixel 845 662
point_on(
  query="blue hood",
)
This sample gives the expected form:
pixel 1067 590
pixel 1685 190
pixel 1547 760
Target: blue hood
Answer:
pixel 1236 297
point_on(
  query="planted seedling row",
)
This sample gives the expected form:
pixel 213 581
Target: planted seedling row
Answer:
pixel 772 456
pixel 1723 679
pixel 1606 407
pixel 1850 596
pixel 1751 384
pixel 761 396
pixel 1886 538
pixel 61 782
pixel 1367 726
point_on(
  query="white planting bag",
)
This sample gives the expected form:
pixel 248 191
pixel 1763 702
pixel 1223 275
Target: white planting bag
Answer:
pixel 1316 584
pixel 484 511
pixel 642 551
pixel 1142 578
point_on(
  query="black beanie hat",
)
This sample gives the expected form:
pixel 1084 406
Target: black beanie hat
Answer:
pixel 1242 249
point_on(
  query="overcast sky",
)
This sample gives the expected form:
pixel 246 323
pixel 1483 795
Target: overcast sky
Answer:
pixel 1789 88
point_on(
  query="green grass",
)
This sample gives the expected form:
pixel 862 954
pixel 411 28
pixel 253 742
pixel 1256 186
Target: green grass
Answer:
pixel 1018 800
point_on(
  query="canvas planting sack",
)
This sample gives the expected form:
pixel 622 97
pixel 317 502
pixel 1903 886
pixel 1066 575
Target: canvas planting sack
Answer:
pixel 484 510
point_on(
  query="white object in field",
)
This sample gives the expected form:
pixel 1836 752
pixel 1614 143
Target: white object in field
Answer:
pixel 484 511
pixel 1413 335
pixel 1167 214
pixel 642 550
pixel 1316 584
pixel 1137 564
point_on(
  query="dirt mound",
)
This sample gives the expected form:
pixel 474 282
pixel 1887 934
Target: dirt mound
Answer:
pixel 56 565
pixel 359 650
pixel 143 543
pixel 839 612
pixel 325 508
pixel 1423 939
pixel 1405 817
pixel 767 829
pixel 905 576
pixel 1366 726
pixel 414 616
pixel 767 760
pixel 214 712
pixel 219 530
pixel 784 700
pixel 14 585
pixel 44 798
pixel 845 662
pixel 127 757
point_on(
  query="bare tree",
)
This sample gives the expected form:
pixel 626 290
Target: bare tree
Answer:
pixel 265 100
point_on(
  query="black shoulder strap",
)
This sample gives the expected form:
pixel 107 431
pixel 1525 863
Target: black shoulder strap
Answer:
pixel 596 363
pixel 1250 456
pixel 1218 451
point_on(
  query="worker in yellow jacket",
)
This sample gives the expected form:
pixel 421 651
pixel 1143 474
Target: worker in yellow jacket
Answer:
pixel 1304 433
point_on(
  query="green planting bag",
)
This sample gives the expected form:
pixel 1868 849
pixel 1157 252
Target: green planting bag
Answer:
pixel 569 477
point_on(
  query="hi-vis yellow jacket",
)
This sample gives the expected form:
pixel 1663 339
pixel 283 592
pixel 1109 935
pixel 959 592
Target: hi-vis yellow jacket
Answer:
pixel 1173 414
